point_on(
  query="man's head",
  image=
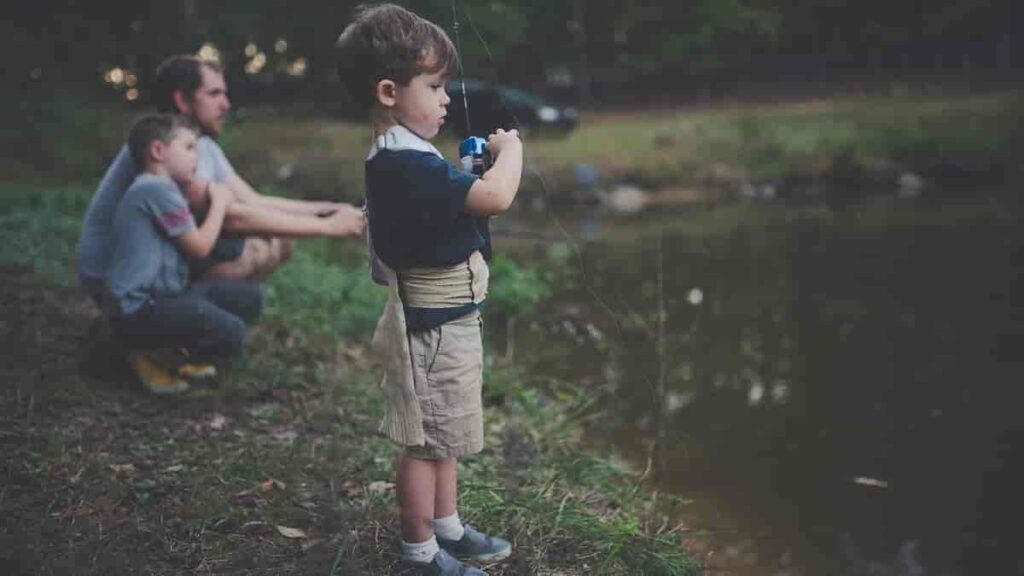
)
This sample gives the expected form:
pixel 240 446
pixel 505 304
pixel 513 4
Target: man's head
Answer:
pixel 395 61
pixel 195 88
pixel 165 144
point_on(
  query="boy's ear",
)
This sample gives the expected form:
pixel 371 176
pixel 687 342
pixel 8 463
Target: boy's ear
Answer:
pixel 385 92
pixel 157 150
pixel 181 102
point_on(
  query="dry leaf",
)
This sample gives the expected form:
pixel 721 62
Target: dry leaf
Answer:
pixel 123 468
pixel 311 543
pixel 272 483
pixel 290 532
pixel 217 422
pixel 351 489
pixel 380 486
pixel 286 436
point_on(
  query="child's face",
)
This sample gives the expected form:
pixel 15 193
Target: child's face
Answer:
pixel 181 156
pixel 421 105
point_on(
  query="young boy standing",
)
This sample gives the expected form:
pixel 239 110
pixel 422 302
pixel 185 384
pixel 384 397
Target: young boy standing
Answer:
pixel 147 295
pixel 423 220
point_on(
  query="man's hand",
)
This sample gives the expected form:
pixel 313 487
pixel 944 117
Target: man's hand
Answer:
pixel 347 220
pixel 324 208
pixel 501 139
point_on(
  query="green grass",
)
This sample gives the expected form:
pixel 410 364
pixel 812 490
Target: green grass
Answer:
pixel 675 147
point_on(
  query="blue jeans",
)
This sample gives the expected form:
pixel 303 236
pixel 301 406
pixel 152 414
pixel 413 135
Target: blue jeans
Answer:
pixel 208 319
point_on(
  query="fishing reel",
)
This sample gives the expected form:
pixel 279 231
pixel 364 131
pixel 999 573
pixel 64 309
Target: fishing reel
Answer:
pixel 474 155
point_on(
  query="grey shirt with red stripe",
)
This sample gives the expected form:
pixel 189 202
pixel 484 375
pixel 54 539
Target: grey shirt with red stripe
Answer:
pixel 146 262
pixel 95 245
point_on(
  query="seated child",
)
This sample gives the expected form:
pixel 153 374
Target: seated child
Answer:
pixel 147 296
pixel 424 224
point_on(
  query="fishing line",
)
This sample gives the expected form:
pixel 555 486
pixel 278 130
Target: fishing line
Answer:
pixel 462 71
pixel 577 252
pixel 660 387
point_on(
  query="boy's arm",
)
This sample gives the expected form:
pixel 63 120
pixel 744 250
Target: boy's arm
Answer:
pixel 245 193
pixel 198 242
pixel 245 218
pixel 494 192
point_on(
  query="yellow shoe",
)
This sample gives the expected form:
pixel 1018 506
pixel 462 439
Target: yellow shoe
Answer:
pixel 197 371
pixel 153 369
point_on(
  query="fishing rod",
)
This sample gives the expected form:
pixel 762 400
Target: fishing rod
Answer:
pixel 577 252
pixel 660 387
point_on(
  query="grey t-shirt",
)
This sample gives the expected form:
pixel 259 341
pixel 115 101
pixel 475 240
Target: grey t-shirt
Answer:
pixel 95 245
pixel 146 262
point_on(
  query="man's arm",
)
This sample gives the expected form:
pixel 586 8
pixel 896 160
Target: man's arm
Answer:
pixel 245 193
pixel 247 218
pixel 197 243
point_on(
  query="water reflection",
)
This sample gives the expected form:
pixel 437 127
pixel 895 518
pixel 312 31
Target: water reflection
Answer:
pixel 834 397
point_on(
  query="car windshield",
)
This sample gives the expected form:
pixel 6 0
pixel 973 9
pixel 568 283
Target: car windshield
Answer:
pixel 512 95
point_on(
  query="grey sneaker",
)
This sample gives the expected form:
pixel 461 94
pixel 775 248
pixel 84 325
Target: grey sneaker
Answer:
pixel 444 565
pixel 477 546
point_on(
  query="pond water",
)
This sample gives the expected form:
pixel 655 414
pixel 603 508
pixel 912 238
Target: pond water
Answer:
pixel 826 393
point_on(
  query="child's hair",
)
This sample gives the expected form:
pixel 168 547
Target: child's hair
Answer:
pixel 388 41
pixel 181 72
pixel 152 127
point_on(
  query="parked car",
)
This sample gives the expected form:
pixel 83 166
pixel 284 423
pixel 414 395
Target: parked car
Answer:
pixel 493 106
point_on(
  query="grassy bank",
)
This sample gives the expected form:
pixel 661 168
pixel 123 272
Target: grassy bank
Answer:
pixel 278 470
pixel 857 142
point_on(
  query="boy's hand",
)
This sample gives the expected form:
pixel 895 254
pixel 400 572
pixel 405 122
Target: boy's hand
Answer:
pixel 196 196
pixel 501 139
pixel 220 194
pixel 347 220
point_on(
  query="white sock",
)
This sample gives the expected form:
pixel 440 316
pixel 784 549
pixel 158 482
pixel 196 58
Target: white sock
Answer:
pixel 449 527
pixel 422 552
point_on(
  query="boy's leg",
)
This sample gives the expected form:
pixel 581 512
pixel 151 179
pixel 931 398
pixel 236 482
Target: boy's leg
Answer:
pixel 239 297
pixel 189 321
pixel 417 494
pixel 447 525
pixel 446 493
pixel 417 481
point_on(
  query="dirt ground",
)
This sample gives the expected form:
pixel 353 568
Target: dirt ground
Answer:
pixel 275 471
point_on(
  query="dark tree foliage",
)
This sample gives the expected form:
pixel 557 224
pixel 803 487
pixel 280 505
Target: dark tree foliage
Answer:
pixel 621 46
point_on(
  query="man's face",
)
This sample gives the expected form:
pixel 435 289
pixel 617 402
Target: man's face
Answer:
pixel 181 156
pixel 209 105
pixel 421 106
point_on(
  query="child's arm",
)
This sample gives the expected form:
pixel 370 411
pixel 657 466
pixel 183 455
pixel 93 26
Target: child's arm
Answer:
pixel 494 192
pixel 197 242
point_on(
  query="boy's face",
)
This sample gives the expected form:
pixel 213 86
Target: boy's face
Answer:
pixel 421 105
pixel 180 155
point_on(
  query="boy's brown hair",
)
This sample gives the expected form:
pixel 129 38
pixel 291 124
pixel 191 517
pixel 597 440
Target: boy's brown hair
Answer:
pixel 181 72
pixel 153 127
pixel 388 41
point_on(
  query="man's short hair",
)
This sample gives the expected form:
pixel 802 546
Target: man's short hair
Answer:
pixel 154 127
pixel 182 72
pixel 388 41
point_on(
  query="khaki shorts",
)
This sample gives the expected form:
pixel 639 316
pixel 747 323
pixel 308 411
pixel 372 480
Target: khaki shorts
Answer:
pixel 448 371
